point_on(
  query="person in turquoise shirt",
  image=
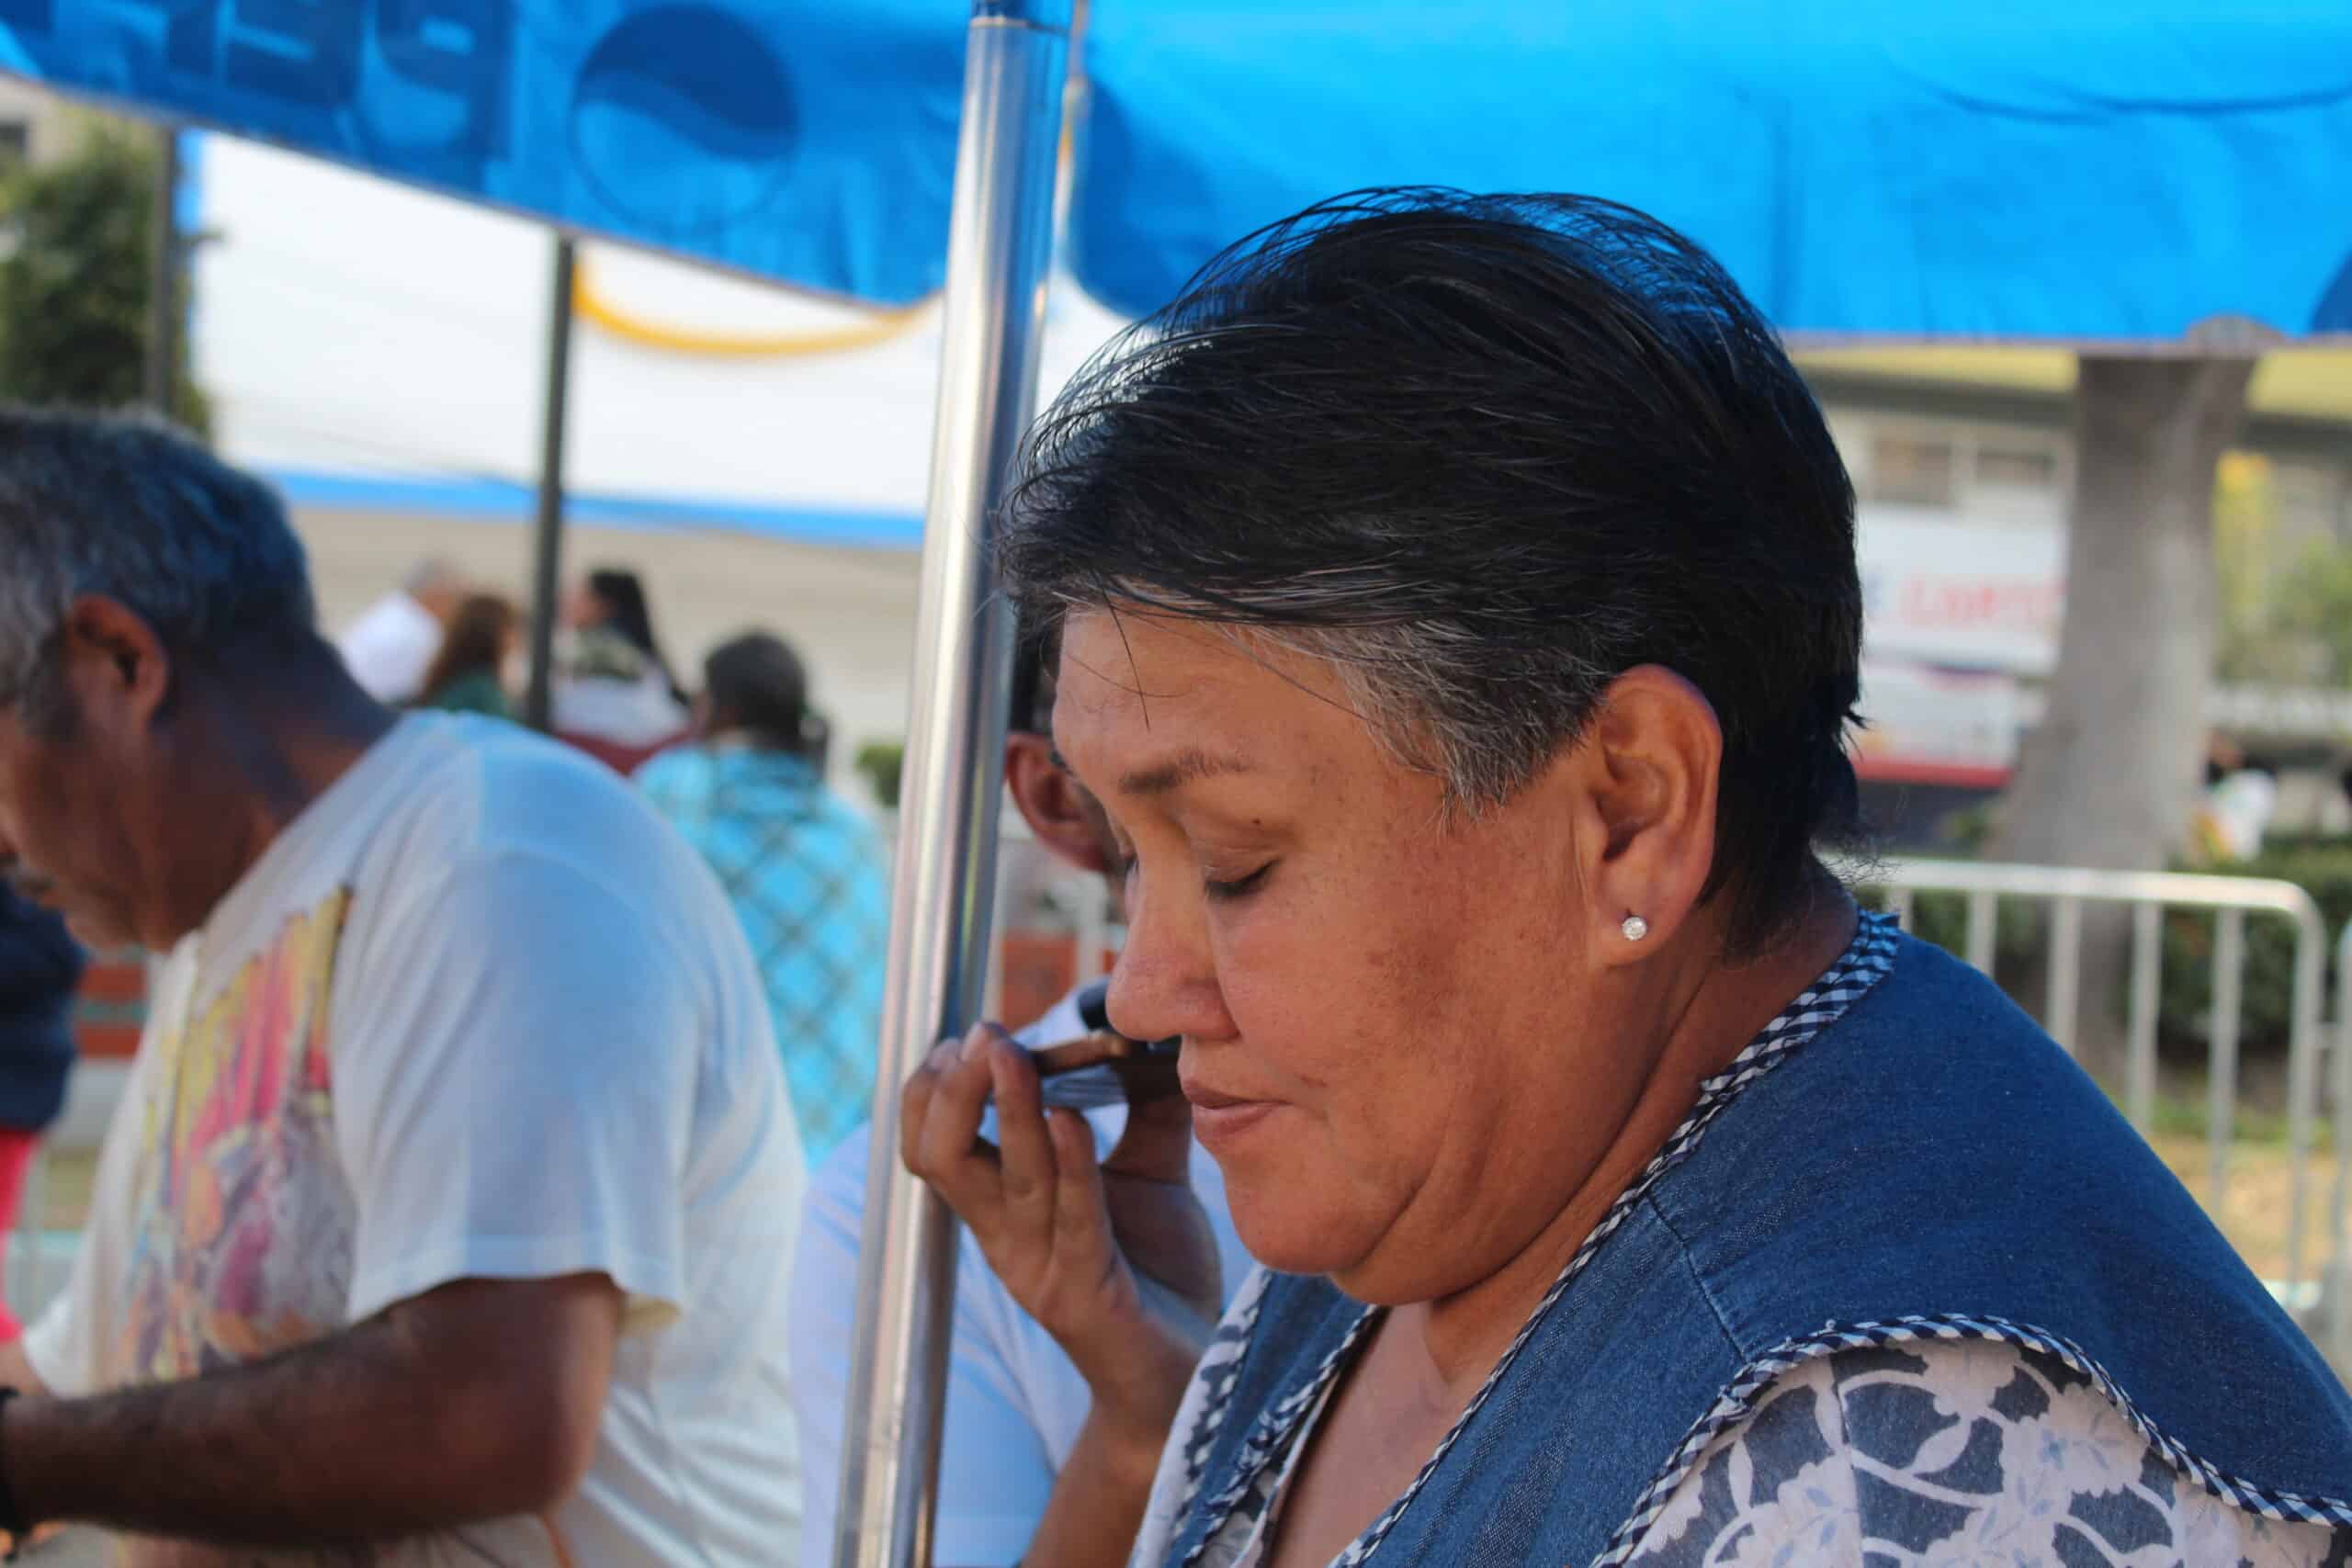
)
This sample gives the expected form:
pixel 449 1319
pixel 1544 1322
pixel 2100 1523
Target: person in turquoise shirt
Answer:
pixel 808 874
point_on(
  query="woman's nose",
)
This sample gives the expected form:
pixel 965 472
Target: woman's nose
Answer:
pixel 1164 981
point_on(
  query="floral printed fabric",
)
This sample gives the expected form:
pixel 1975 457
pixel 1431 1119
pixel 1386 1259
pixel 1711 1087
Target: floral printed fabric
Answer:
pixel 1956 1455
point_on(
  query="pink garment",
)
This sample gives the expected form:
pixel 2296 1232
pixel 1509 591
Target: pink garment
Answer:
pixel 16 1150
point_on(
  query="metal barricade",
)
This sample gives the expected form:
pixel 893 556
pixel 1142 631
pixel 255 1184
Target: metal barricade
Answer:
pixel 2232 900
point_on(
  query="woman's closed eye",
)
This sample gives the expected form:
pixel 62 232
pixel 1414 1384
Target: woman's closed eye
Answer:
pixel 1237 887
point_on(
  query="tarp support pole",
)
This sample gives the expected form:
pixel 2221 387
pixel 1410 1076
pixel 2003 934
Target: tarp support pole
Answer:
pixel 163 317
pixel 1000 251
pixel 547 530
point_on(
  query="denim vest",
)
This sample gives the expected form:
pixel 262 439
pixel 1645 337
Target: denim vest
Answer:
pixel 1929 1166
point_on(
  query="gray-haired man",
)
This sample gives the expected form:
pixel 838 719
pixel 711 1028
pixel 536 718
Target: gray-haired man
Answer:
pixel 449 1211
pixel 389 648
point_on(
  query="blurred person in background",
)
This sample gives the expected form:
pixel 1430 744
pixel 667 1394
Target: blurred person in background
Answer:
pixel 40 965
pixel 389 648
pixel 808 874
pixel 1016 1402
pixel 614 693
pixel 2241 796
pixel 446 1215
pixel 609 605
pixel 468 675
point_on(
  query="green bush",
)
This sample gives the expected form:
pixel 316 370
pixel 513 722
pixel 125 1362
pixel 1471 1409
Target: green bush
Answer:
pixel 76 278
pixel 2321 867
pixel 880 764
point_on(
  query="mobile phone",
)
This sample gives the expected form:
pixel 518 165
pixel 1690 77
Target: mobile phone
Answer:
pixel 1103 1067
pixel 1098 1048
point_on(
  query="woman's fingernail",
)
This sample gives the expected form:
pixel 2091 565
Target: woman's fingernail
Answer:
pixel 976 1043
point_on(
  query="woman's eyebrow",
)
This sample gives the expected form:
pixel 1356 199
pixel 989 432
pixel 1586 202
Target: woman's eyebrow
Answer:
pixel 1185 767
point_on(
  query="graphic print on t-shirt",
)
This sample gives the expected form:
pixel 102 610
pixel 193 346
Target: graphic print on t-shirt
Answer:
pixel 242 1220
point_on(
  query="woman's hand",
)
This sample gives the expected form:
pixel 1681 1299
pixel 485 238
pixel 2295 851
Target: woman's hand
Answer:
pixel 1116 1261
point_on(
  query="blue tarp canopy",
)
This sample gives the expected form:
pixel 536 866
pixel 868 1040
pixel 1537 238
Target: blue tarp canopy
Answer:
pixel 2082 171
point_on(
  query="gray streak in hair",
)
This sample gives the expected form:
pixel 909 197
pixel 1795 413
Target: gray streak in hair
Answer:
pixel 125 508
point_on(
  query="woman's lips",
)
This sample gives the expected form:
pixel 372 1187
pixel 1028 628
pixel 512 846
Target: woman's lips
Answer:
pixel 1219 1118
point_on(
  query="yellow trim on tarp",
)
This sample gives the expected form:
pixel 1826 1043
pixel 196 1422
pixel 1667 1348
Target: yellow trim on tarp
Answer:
pixel 879 327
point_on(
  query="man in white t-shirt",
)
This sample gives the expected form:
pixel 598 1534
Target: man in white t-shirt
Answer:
pixel 1015 1402
pixel 392 644
pixel 447 1215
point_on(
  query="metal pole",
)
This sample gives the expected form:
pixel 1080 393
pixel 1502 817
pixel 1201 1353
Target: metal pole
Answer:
pixel 2222 1087
pixel 162 371
pixel 2338 1287
pixel 2339 1208
pixel 2147 981
pixel 2065 1002
pixel 547 534
pixel 999 245
pixel 2302 1080
pixel 1983 929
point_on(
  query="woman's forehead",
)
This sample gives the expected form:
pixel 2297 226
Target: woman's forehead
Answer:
pixel 1135 686
pixel 1121 666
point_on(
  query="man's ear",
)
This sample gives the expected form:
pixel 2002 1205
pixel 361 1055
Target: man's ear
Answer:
pixel 115 665
pixel 1057 807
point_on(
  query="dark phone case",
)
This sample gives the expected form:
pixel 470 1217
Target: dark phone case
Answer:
pixel 1103 1067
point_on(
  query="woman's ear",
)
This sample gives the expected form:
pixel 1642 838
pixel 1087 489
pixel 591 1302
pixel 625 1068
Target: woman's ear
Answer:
pixel 1056 806
pixel 1648 768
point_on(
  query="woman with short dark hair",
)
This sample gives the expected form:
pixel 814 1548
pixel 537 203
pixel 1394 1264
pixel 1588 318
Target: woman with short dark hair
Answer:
pixel 1460 626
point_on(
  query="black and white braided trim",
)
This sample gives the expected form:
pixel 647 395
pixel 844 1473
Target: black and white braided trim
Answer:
pixel 1739 1396
pixel 1220 1369
pixel 1274 1428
